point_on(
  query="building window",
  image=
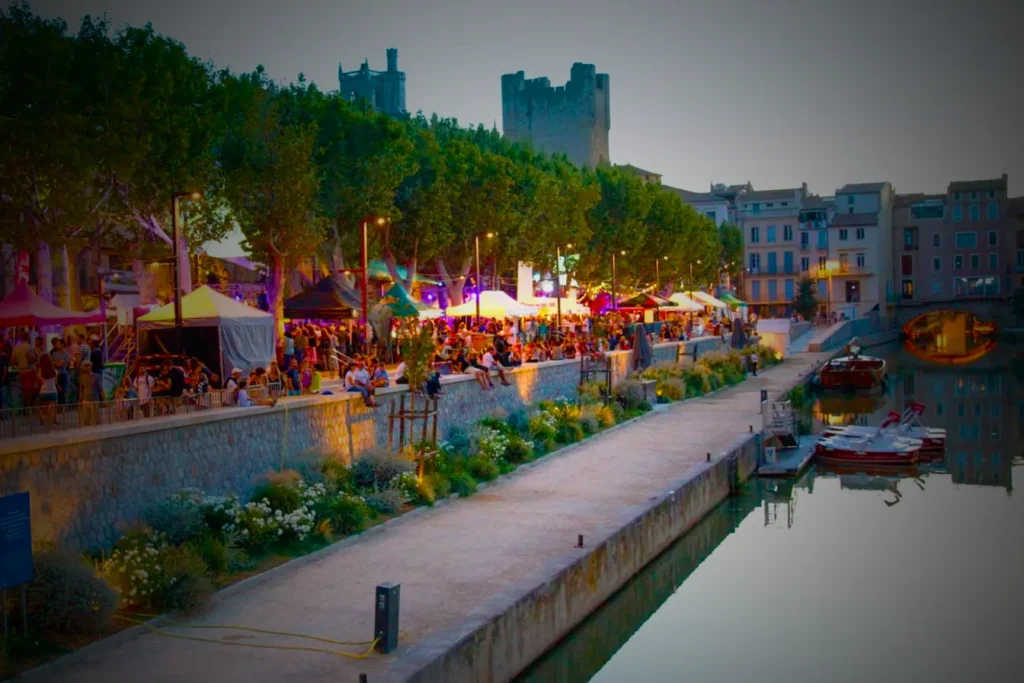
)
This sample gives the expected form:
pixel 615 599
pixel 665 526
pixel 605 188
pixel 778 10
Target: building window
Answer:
pixel 993 261
pixel 921 211
pixel 788 286
pixel 958 213
pixel 860 233
pixel 805 239
pixel 852 291
pixel 958 261
pixel 966 240
pixel 991 194
pixel 771 234
pixel 773 290
pixel 936 240
pixel 755 235
pixel 936 263
pixel 756 207
pixel 976 286
pixel 844 260
pixel 769 205
pixel 755 290
pixel 822 260
pixel 787 233
pixel 843 234
pixel 805 264
pixel 993 238
pixel 974 195
pixel 993 211
pixel 956 196
pixel 910 237
pixel 861 260
pixel 975 261
pixel 936 287
pixel 906 264
pixel 975 212
pixel 907 289
pixel 784 204
pixel 755 262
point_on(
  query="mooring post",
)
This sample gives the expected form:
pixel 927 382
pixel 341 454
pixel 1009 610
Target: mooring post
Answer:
pixel 579 541
pixel 385 627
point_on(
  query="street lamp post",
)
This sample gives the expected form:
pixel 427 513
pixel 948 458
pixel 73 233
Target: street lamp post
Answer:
pixel 558 283
pixel 691 273
pixel 657 273
pixel 615 298
pixel 476 249
pixel 176 250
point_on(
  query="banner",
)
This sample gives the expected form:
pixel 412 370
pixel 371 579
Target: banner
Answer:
pixel 113 373
pixel 21 268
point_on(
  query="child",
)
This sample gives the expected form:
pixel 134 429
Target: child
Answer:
pixel 314 385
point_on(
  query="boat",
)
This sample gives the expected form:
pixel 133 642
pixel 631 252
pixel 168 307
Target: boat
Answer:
pixel 858 373
pixel 907 425
pixel 882 450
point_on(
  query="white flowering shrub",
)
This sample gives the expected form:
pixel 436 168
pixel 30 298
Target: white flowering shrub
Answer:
pixel 134 569
pixel 407 483
pixel 491 444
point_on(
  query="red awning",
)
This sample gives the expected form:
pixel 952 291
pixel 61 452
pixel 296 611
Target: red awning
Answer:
pixel 23 307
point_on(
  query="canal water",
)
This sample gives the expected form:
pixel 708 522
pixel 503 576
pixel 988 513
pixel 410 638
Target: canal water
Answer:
pixel 843 577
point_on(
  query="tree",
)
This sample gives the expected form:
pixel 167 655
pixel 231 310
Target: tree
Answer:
pixel 730 237
pixel 805 302
pixel 271 183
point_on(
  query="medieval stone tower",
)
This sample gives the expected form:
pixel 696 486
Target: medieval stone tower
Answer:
pixel 572 119
pixel 385 90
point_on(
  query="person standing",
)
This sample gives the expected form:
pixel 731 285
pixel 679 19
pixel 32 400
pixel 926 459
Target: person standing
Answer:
pixel 61 361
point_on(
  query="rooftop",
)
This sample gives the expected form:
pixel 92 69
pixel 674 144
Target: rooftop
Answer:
pixel 971 185
pixel 849 220
pixel 637 170
pixel 769 195
pixel 814 201
pixel 904 200
pixel 691 197
pixel 854 188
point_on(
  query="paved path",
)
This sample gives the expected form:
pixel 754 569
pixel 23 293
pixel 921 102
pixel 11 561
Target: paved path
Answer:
pixel 449 561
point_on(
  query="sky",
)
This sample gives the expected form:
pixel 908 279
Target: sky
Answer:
pixel 777 92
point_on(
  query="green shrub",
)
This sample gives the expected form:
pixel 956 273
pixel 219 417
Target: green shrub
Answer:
pixel 214 551
pixel 519 422
pixel 630 393
pixel 188 585
pixel 346 513
pixel 497 424
pixel 337 475
pixel 588 420
pixel 463 484
pixel 518 450
pixel 440 484
pixel 67 596
pixel 605 415
pixel 378 467
pixel 697 381
pixel 569 432
pixel 592 392
pixel 671 389
pixel 644 406
pixel 542 427
pixel 281 496
pixel 458 440
pixel 386 501
pixel 482 469
pixel 179 517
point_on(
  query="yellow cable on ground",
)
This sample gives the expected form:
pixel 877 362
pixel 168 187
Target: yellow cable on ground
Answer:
pixel 231 627
pixel 298 648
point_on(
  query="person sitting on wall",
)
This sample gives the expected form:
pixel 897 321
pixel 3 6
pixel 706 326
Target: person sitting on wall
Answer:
pixel 357 380
pixel 490 362
pixel 378 374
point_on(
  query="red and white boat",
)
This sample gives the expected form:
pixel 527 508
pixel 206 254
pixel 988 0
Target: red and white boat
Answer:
pixel 883 450
pixel 859 373
pixel 933 440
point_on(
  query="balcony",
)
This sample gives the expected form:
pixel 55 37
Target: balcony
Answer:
pixel 911 246
pixel 843 269
pixel 819 224
pixel 805 246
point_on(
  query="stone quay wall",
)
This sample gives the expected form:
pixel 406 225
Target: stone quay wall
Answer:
pixel 88 484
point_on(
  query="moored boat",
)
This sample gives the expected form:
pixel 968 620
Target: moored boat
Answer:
pixel 880 450
pixel 907 425
pixel 858 373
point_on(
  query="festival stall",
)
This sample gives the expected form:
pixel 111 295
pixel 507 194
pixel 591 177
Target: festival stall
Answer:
pixel 650 304
pixel 326 300
pixel 404 306
pixel 242 336
pixel 493 304
pixel 549 306
pixel 25 308
pixel 685 303
pixel 706 299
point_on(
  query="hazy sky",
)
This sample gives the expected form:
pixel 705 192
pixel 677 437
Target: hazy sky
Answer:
pixel 773 91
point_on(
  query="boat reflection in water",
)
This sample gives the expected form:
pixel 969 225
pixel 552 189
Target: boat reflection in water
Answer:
pixel 950 337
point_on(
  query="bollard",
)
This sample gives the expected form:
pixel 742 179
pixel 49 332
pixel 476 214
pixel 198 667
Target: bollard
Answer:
pixel 751 428
pixel 385 625
pixel 709 457
pixel 764 395
pixel 579 541
pixel 362 678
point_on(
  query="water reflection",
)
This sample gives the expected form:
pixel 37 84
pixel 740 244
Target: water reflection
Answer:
pixel 949 337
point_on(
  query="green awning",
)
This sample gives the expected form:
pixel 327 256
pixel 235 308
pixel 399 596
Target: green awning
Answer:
pixel 378 270
pixel 732 300
pixel 403 305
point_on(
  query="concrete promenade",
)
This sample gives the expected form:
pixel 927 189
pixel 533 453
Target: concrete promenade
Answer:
pixel 452 561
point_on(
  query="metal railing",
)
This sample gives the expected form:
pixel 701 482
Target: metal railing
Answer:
pixel 47 419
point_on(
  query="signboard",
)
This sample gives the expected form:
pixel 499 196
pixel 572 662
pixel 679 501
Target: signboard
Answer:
pixel 770 457
pixel 113 373
pixel 21 268
pixel 15 541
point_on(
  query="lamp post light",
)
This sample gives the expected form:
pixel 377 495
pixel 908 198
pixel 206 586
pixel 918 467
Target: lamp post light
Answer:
pixel 364 251
pixel 176 250
pixel 558 283
pixel 476 249
pixel 691 273
pixel 615 298
pixel 657 272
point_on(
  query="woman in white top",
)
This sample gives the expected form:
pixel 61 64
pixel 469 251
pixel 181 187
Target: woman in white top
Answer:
pixel 144 389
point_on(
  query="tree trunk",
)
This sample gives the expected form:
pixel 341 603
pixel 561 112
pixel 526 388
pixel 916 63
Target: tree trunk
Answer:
pixel 275 286
pixel 44 271
pixel 69 273
pixel 454 285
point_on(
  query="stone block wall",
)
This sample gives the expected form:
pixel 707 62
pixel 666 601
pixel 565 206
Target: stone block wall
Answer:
pixel 88 484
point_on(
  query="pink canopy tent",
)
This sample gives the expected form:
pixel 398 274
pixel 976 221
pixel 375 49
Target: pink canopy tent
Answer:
pixel 23 307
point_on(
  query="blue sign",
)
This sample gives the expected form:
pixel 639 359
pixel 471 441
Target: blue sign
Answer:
pixel 15 541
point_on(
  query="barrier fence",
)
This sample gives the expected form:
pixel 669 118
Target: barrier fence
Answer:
pixel 46 419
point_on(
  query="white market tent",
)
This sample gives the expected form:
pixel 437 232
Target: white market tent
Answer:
pixel 493 304
pixel 685 303
pixel 549 306
pixel 707 300
pixel 246 334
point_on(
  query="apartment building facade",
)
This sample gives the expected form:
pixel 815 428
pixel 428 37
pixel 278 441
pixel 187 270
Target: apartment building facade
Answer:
pixel 858 272
pixel 958 245
pixel 769 221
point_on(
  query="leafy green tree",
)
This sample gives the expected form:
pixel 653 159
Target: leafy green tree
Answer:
pixel 271 182
pixel 731 259
pixel 805 302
